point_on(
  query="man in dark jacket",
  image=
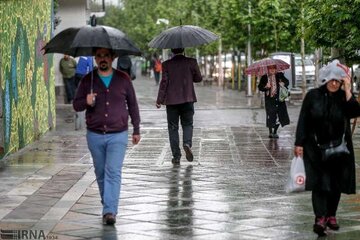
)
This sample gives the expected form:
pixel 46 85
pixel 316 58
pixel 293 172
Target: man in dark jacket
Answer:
pixel 177 92
pixel 108 102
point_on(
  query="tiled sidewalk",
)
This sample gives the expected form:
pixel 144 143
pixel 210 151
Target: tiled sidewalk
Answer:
pixel 234 189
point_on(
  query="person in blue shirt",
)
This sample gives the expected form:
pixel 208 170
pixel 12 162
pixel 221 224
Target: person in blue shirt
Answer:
pixel 83 67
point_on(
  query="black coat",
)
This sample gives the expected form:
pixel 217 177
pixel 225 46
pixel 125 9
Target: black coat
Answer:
pixel 274 108
pixel 324 117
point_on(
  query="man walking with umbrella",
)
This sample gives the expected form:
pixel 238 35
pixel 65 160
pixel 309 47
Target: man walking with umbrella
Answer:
pixel 177 92
pixel 109 98
pixel 176 89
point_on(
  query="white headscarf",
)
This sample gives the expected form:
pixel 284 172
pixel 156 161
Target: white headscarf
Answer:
pixel 334 70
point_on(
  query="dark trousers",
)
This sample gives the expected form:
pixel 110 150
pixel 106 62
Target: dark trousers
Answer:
pixel 157 77
pixel 78 78
pixel 185 113
pixel 70 88
pixel 325 204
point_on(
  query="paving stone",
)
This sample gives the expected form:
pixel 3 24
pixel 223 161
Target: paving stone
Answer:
pixel 234 189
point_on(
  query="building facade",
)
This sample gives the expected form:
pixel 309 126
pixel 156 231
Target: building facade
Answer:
pixel 27 83
pixel 74 13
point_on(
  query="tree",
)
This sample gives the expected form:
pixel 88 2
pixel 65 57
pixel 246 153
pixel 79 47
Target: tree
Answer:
pixel 334 24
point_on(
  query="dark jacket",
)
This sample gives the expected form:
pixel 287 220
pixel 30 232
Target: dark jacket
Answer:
pixel 273 106
pixel 113 104
pixel 124 64
pixel 177 84
pixel 322 119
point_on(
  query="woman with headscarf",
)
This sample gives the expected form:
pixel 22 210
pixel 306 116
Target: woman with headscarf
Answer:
pixel 324 117
pixel 276 110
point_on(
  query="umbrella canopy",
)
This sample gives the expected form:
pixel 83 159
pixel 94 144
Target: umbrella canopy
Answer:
pixel 259 68
pixel 182 36
pixel 81 41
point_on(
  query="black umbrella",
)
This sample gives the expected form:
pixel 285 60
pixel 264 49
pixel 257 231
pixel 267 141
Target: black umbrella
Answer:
pixel 182 36
pixel 81 41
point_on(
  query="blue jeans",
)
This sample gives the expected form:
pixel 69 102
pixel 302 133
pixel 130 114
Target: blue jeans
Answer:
pixel 108 153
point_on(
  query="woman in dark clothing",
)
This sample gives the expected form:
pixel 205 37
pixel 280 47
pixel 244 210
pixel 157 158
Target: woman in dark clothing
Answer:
pixel 325 116
pixel 276 110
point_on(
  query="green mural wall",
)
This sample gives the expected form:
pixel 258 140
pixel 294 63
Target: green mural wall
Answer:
pixel 27 82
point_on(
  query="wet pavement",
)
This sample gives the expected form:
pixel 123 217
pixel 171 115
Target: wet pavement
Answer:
pixel 234 189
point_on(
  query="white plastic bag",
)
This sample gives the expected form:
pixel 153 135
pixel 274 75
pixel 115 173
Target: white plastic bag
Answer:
pixel 297 177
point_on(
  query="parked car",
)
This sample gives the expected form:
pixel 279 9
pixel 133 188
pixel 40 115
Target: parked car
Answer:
pixel 356 77
pixel 309 72
pixel 286 57
pixel 309 69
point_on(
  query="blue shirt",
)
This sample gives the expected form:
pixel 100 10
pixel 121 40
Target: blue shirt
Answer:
pixel 106 79
pixel 84 65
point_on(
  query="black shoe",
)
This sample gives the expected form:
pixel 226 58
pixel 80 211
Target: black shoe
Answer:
pixel 189 154
pixel 275 135
pixel 175 161
pixel 271 135
pixel 109 219
pixel 320 226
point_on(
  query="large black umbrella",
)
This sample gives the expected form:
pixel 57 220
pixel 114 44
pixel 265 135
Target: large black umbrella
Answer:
pixel 81 41
pixel 182 36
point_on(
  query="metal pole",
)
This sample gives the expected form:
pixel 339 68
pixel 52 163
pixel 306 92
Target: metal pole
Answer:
pixel 249 92
pixel 303 77
pixel 317 65
pixel 221 75
pixel 292 62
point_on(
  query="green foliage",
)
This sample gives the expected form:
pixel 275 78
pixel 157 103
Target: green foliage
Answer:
pixel 137 19
pixel 334 24
pixel 56 6
pixel 275 24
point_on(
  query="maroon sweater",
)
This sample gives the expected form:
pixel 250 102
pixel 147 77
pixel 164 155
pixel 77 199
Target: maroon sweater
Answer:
pixel 113 104
pixel 177 84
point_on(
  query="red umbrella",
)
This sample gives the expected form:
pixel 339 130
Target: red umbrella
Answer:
pixel 260 67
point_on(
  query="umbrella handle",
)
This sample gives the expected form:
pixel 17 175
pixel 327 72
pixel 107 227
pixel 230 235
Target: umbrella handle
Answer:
pixel 94 98
pixel 92 89
pixel 93 101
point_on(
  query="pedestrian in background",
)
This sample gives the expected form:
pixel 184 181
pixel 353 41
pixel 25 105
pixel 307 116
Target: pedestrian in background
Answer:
pixel 67 68
pixel 157 68
pixel 124 64
pixel 108 102
pixel 324 117
pixel 84 66
pixel 177 92
pixel 276 110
